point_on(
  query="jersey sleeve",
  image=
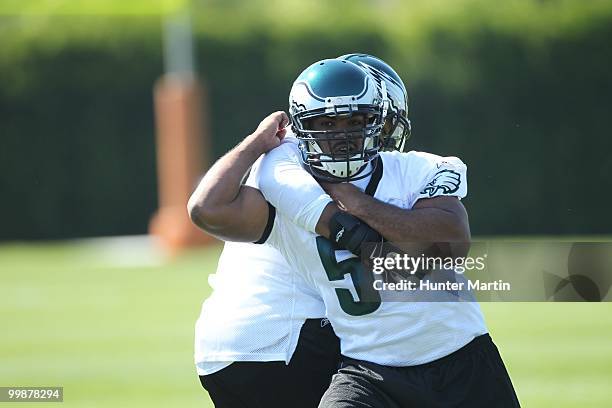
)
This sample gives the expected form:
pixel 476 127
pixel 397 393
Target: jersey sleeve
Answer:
pixel 434 176
pixel 249 178
pixel 289 187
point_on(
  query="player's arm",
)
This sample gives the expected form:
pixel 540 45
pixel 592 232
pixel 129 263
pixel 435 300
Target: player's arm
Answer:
pixel 293 191
pixel 298 196
pixel 441 219
pixel 224 208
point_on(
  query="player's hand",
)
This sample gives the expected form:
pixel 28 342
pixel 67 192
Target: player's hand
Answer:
pixel 270 131
pixel 345 195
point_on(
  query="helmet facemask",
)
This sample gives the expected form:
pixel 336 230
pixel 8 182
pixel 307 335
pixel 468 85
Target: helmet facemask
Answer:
pixel 339 154
pixel 396 131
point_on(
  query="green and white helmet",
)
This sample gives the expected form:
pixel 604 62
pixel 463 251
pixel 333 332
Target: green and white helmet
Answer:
pixel 336 88
pixel 397 128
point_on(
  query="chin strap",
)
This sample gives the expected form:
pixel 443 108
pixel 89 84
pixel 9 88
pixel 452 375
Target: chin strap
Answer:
pixel 350 232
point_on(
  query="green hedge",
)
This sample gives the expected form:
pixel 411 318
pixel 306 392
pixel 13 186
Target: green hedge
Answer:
pixel 520 91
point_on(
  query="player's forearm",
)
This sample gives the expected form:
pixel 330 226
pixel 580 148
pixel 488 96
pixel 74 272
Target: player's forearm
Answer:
pixel 209 203
pixel 419 225
pixel 223 208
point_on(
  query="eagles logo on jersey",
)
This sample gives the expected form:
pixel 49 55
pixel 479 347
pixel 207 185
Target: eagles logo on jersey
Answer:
pixel 446 181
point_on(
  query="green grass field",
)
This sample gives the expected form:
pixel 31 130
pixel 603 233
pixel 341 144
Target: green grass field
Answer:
pixel 113 324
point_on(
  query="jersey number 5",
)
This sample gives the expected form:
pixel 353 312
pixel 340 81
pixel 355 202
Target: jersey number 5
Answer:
pixel 369 298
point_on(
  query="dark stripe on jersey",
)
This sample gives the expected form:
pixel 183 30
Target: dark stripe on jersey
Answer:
pixel 269 225
pixel 376 176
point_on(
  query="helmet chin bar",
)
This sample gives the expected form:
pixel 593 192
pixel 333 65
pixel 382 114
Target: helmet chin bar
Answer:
pixel 330 164
pixel 323 175
pixel 339 166
pixel 324 170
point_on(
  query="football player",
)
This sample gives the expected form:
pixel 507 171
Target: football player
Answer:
pixel 395 354
pixel 396 128
pixel 263 324
pixel 262 321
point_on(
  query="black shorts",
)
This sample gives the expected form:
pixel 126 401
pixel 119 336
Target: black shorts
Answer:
pixel 299 384
pixel 471 377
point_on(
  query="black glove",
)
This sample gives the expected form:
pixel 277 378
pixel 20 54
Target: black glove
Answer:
pixel 349 232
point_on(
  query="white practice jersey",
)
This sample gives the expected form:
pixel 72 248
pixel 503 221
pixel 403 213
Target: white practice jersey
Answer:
pixel 256 310
pixel 395 333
